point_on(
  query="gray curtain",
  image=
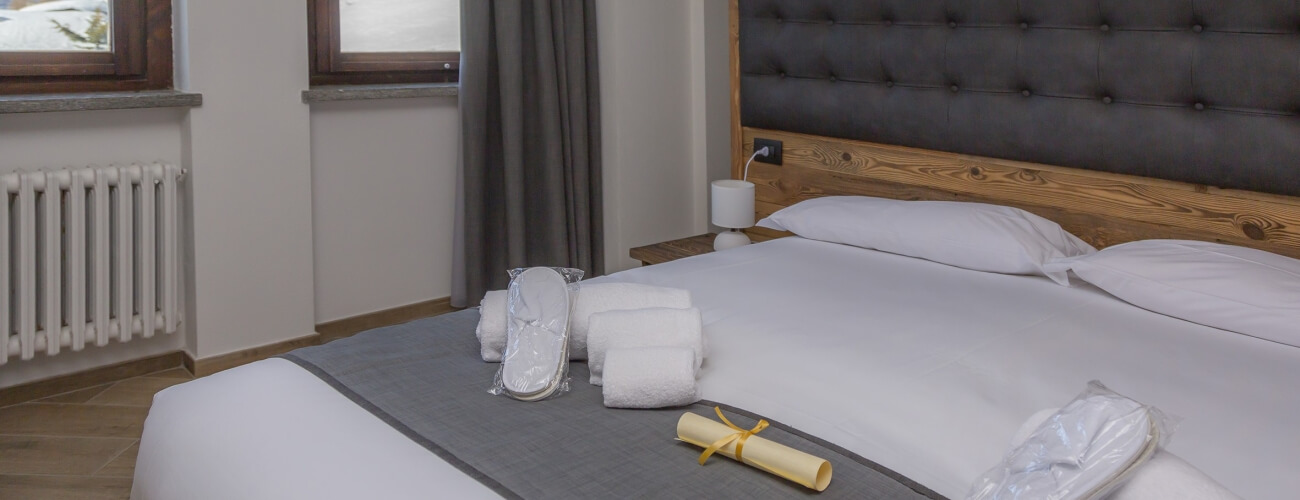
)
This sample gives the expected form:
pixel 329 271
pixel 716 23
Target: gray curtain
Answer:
pixel 529 189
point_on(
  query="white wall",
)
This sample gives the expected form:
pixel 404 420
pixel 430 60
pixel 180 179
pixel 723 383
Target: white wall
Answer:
pixel 301 215
pixel 41 140
pixel 710 98
pixel 384 171
pixel 650 192
pixel 249 273
pixel 248 148
pixel 384 192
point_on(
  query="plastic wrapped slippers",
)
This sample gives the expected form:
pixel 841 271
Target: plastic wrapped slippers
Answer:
pixel 1084 451
pixel 535 365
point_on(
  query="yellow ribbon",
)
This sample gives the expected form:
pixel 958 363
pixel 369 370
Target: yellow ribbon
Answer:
pixel 739 437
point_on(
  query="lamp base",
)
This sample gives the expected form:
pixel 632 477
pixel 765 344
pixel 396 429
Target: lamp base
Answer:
pixel 730 239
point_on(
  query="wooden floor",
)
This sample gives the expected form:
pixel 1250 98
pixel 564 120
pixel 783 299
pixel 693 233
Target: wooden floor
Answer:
pixel 78 445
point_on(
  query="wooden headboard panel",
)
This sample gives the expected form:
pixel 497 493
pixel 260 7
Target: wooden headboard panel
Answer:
pixel 1102 208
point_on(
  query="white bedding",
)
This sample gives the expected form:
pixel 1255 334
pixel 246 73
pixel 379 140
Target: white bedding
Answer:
pixel 924 368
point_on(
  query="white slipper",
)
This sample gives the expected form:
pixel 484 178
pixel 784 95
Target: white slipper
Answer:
pixel 1082 452
pixel 537 339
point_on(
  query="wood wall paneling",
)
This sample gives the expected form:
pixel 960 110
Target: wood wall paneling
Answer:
pixel 1102 208
pixel 737 161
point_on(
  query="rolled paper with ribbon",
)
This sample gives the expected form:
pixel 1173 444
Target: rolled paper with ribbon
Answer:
pixel 744 446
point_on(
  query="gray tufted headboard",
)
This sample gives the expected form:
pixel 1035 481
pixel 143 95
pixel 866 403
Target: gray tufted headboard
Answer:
pixel 1198 91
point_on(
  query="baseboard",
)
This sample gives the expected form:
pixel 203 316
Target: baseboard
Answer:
pixel 208 366
pixel 90 378
pixel 325 332
pixel 348 327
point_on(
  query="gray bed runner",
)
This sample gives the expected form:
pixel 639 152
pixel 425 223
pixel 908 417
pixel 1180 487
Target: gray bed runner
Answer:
pixel 426 380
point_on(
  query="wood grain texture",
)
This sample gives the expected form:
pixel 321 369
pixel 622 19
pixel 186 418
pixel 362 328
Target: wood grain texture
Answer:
pixel 76 397
pixel 187 363
pixel 74 420
pixel 64 487
pixel 329 65
pixel 348 327
pixel 207 366
pixel 141 57
pixel 123 465
pixel 1102 208
pixel 76 456
pixel 737 135
pixel 81 444
pixel 89 378
pixel 178 372
pixel 138 391
pixel 325 332
pixel 667 251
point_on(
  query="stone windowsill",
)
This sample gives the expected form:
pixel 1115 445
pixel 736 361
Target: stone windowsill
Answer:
pixel 95 101
pixel 363 92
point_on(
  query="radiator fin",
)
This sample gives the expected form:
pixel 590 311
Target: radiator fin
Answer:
pixel 89 255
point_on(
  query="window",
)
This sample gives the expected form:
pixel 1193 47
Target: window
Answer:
pixel 384 41
pixel 85 45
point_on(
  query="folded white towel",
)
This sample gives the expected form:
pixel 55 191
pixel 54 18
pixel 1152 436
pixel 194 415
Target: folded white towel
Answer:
pixel 590 299
pixel 491 330
pixel 601 297
pixel 653 327
pixel 1164 476
pixel 650 377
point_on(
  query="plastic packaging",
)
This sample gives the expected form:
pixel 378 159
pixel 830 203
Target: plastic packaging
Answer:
pixel 1084 451
pixel 535 365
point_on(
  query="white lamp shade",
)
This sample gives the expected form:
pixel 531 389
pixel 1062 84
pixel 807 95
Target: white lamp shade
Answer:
pixel 733 204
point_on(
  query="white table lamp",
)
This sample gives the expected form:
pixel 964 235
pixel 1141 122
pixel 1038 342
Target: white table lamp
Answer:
pixel 732 208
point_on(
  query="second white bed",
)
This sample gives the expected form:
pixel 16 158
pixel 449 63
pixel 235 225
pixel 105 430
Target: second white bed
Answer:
pixel 924 368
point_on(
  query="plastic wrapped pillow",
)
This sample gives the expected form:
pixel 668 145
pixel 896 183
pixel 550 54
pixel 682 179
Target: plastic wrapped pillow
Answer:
pixel 535 364
pixel 1083 451
pixel 1165 476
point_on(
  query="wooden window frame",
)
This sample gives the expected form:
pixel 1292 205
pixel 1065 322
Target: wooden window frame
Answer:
pixel 329 65
pixel 141 58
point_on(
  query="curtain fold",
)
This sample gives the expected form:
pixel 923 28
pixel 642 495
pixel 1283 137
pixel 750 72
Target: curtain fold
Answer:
pixel 529 186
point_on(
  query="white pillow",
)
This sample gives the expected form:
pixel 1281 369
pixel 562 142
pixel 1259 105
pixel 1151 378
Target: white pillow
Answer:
pixel 974 236
pixel 1233 288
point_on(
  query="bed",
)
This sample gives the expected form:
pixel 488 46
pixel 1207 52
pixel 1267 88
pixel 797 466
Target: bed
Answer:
pixel 924 368
pixel 823 337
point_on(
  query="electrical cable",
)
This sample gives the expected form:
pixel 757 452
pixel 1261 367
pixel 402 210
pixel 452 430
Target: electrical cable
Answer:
pixel 763 152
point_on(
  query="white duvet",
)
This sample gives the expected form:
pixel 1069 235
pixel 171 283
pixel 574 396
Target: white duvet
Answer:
pixel 924 368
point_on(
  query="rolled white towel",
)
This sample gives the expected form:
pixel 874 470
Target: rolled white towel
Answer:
pixel 590 299
pixel 491 330
pixel 650 377
pixel 1164 476
pixel 602 297
pixel 653 327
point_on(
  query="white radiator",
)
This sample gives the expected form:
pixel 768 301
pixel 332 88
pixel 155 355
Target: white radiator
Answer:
pixel 89 255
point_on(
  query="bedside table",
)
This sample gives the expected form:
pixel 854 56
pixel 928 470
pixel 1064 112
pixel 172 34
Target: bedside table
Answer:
pixel 659 253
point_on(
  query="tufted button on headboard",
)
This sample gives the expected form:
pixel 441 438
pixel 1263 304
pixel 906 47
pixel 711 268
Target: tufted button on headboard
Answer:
pixel 1204 91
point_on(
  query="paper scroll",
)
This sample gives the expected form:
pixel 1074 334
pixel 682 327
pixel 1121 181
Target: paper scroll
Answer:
pixel 778 459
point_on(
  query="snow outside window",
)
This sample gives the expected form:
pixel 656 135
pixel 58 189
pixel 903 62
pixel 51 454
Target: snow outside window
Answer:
pixel 56 25
pixel 399 25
